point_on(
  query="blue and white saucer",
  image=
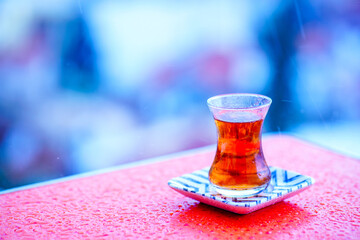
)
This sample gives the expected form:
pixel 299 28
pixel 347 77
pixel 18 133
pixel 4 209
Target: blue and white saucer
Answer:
pixel 284 184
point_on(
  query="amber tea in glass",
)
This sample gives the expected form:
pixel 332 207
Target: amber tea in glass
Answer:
pixel 239 168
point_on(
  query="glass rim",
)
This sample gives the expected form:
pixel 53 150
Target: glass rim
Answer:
pixel 239 95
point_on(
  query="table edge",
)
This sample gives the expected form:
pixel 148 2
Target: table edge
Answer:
pixel 162 158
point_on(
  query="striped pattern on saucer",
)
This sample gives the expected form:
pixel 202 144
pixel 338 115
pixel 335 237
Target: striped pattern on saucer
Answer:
pixel 283 184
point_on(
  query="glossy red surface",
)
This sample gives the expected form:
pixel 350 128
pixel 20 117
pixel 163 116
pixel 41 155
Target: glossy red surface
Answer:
pixel 136 203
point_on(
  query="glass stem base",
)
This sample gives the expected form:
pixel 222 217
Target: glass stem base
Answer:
pixel 240 193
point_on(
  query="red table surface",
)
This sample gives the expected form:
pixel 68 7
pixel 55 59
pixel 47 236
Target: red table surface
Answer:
pixel 136 203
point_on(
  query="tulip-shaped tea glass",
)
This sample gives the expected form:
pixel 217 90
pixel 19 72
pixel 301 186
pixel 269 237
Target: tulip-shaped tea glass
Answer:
pixel 239 168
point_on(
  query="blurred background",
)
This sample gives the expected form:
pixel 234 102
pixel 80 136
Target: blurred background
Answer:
pixel 86 85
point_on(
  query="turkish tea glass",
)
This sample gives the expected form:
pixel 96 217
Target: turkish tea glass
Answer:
pixel 239 168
